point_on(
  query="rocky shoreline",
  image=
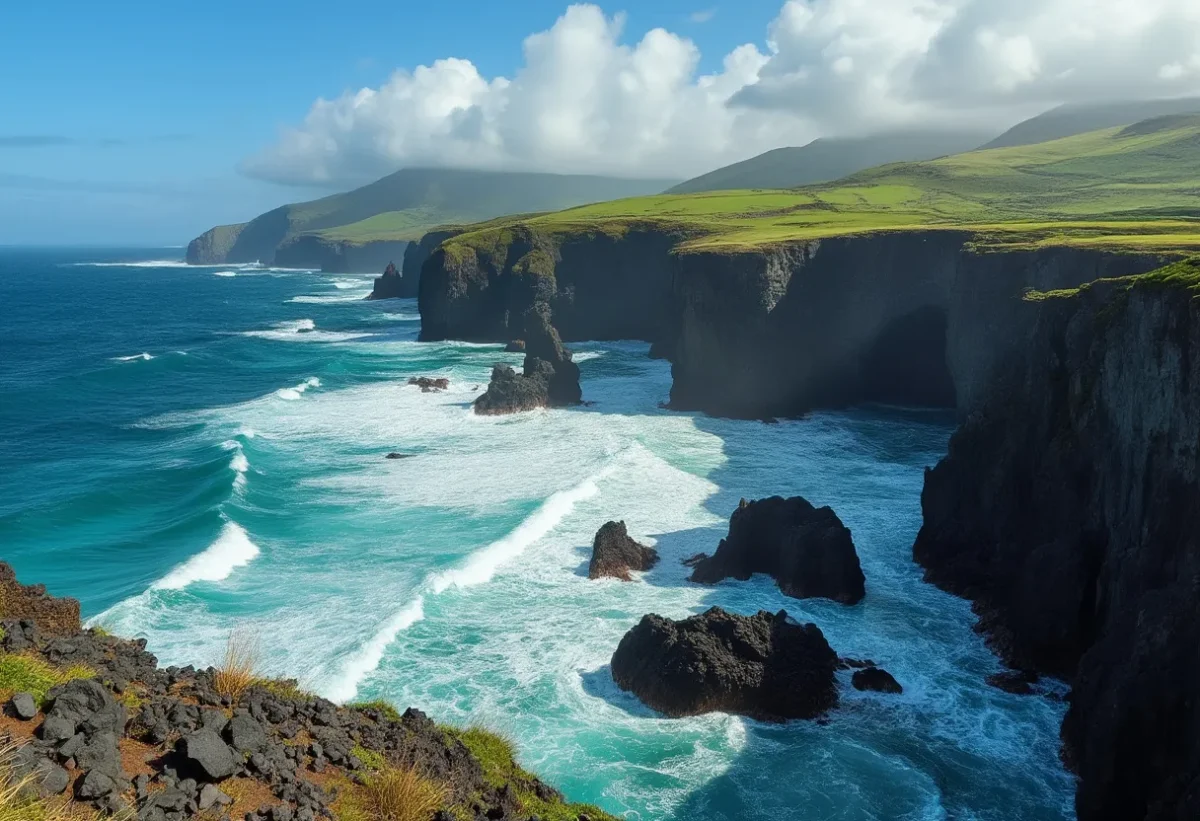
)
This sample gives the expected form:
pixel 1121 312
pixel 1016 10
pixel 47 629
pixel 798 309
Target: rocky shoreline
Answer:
pixel 94 722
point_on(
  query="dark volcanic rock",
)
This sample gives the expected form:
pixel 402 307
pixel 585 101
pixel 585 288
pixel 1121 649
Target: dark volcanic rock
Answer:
pixel 876 679
pixel 1017 682
pixel 207 756
pixel 1066 508
pixel 807 550
pixel 398 455
pixel 549 378
pixel 429 384
pixel 23 706
pixel 515 346
pixel 615 554
pixel 392 285
pixel 764 666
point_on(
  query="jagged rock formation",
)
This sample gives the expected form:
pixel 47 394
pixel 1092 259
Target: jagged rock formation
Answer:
pixel 549 379
pixel 430 384
pixel 1067 510
pixel 876 679
pixel 766 666
pixel 390 285
pixel 614 554
pixel 19 602
pixel 807 550
pixel 128 738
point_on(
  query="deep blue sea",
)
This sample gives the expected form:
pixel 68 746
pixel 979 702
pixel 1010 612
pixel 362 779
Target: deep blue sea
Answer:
pixel 194 450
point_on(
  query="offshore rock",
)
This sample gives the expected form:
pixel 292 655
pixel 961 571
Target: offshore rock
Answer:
pixel 764 666
pixel 807 550
pixel 614 554
pixel 549 378
pixel 392 285
pixel 430 384
pixel 877 680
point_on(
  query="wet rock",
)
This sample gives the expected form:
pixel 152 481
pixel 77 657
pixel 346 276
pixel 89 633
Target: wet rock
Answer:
pixel 807 550
pixel 549 377
pixel 208 756
pixel 398 455
pixel 23 706
pixel 764 666
pixel 516 346
pixel 876 680
pixel 614 554
pixel 429 384
pixel 1017 682
pixel 692 561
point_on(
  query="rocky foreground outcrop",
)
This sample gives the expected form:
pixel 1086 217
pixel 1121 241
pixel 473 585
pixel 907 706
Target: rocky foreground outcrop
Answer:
pixel 549 378
pixel 806 549
pixel 18 601
pixel 615 555
pixel 122 736
pixel 765 666
pixel 1068 509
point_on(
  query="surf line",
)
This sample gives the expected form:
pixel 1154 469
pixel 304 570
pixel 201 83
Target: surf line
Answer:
pixel 479 568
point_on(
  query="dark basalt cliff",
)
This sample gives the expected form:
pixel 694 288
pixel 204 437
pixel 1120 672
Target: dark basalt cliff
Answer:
pixel 337 257
pixel 1068 508
pixel 549 378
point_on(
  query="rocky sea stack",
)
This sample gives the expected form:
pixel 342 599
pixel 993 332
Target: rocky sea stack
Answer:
pixel 393 285
pixel 766 666
pixel 614 554
pixel 96 723
pixel 806 549
pixel 549 378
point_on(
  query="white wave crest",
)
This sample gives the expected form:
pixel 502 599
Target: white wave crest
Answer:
pixel 144 357
pixel 587 356
pixel 314 299
pixel 367 658
pixel 479 568
pixel 296 392
pixel 231 549
pixel 346 284
pixel 224 273
pixel 303 330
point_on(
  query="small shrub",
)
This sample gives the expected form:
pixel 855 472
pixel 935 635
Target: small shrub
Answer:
pixel 402 794
pixel 496 753
pixel 382 706
pixel 370 759
pixel 236 673
pixel 27 673
pixel 287 688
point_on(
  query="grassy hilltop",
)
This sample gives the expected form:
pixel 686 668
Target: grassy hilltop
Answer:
pixel 1136 187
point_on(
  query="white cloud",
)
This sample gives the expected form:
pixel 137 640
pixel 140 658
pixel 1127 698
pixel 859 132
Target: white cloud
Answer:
pixel 584 101
pixel 702 16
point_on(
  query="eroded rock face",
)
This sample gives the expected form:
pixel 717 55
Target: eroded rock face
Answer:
pixel 30 602
pixel 614 554
pixel 766 666
pixel 549 378
pixel 807 550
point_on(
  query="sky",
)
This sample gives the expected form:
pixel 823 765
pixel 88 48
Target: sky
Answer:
pixel 140 121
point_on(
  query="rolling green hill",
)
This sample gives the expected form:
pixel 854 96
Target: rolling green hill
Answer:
pixel 1136 187
pixel 400 208
pixel 1069 120
pixel 830 159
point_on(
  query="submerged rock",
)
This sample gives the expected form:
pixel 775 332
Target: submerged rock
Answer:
pixel 807 550
pixel 1017 682
pixel 430 384
pixel 549 377
pixel 614 554
pixel 765 666
pixel 875 679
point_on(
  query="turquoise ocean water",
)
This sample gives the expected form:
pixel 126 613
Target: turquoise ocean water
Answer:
pixel 190 450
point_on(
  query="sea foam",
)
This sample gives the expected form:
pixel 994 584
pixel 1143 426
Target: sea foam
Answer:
pixel 231 549
pixel 144 357
pixel 296 392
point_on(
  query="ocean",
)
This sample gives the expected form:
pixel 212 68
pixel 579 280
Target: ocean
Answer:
pixel 195 450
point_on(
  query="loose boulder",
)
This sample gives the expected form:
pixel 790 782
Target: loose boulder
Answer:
pixel 23 706
pixel 614 554
pixel 766 666
pixel 207 757
pixel 877 680
pixel 806 549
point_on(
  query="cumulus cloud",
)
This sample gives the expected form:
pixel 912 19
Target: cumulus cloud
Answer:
pixel 584 101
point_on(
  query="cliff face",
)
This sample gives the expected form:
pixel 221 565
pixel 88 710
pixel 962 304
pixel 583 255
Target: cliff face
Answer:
pixel 213 246
pixel 598 287
pixel 1068 508
pixel 335 257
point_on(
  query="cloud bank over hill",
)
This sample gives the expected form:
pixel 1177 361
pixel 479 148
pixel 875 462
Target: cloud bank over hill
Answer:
pixel 585 102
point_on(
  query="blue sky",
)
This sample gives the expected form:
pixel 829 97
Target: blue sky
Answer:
pixel 142 97
pixel 148 121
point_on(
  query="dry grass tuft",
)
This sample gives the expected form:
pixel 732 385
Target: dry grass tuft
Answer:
pixel 402 794
pixel 238 670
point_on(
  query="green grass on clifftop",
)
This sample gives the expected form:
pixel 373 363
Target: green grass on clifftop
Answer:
pixel 1136 187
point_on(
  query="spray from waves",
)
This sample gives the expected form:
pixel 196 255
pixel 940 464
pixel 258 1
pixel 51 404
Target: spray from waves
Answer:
pixel 313 299
pixel 224 273
pixel 302 330
pixel 586 356
pixel 231 549
pixel 144 357
pixel 346 284
pixel 296 392
pixel 239 464
pixel 478 569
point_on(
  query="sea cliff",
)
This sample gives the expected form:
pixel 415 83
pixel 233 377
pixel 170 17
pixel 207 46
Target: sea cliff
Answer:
pixel 1066 507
